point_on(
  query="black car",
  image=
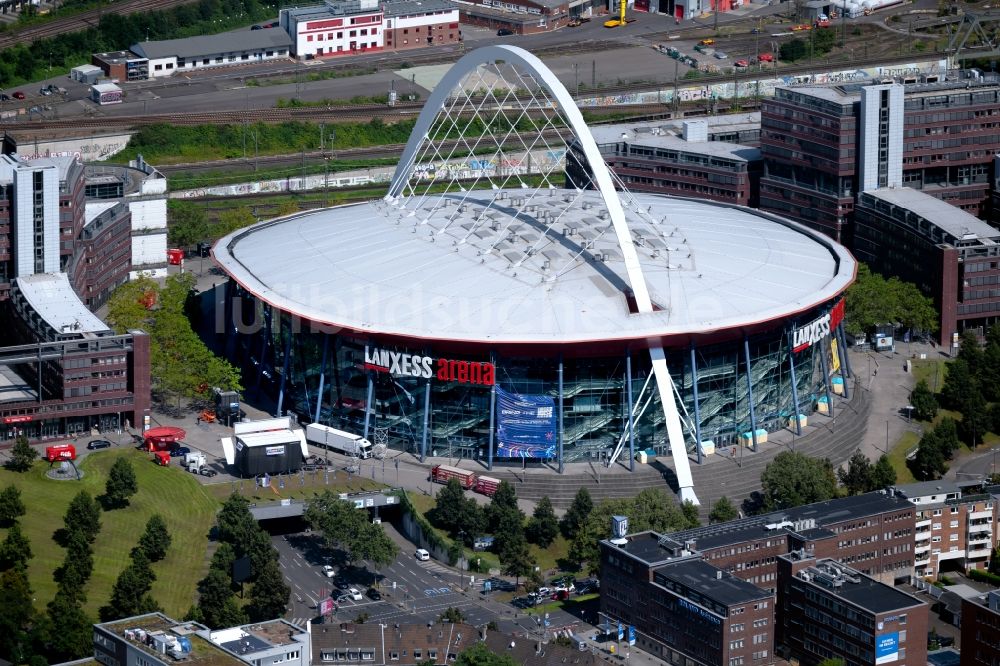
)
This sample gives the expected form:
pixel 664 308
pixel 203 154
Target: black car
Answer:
pixel 95 444
pixel 504 32
pixel 374 594
pixel 204 471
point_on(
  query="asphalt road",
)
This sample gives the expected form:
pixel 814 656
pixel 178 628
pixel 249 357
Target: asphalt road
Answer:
pixel 412 591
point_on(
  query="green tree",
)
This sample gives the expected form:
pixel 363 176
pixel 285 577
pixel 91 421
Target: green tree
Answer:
pixel 503 502
pixel 84 516
pixel 946 434
pixel 883 474
pixel 577 514
pixel 690 511
pixel 234 523
pixel 15 551
pixel 156 539
pixel 457 513
pixel 989 377
pixel 343 525
pixel 22 455
pixel 216 604
pixel 11 505
pixel 269 595
pixel 127 305
pixel 874 300
pixel 187 224
pixel 232 220
pixel 976 420
pixel 857 477
pixel 453 615
pixel 543 527
pixel 121 484
pixel 924 403
pixel 77 567
pixel 959 383
pixel 478 654
pixel 793 479
pixel 722 511
pixel 515 557
pixel 793 50
pixel 929 462
pixel 130 593
pixel 652 509
pixel 970 351
pixel 68 631
pixel 17 615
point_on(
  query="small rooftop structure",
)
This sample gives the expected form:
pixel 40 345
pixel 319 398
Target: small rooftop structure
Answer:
pixel 855 587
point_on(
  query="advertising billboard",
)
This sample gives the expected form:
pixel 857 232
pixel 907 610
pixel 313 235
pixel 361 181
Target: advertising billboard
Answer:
pixel 326 606
pixel 526 425
pixel 886 648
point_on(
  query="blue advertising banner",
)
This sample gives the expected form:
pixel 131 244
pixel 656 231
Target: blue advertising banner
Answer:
pixel 631 635
pixel 887 648
pixel 526 425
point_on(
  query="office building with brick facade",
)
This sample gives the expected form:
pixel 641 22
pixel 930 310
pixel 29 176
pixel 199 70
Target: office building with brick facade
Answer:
pixel 824 144
pixel 981 630
pixel 951 256
pixel 649 160
pixel 829 610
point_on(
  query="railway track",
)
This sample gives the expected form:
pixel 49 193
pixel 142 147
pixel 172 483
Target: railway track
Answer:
pixel 84 19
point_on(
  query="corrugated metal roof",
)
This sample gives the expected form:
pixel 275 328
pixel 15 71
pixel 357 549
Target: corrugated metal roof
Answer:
pixel 206 45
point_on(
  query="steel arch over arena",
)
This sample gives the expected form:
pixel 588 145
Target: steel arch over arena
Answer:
pixel 485 309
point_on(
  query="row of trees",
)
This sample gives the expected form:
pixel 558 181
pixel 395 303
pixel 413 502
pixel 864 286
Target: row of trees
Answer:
pixel 350 531
pixel 972 388
pixel 181 366
pixel 240 536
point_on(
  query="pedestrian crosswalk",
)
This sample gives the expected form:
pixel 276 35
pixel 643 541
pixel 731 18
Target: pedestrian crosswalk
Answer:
pixel 300 621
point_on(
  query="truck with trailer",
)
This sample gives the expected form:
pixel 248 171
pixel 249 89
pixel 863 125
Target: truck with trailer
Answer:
pixel 442 473
pixel 487 485
pixel 340 441
pixel 194 461
pixel 60 452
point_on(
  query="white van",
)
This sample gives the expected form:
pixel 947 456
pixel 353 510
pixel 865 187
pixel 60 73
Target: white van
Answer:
pixel 422 555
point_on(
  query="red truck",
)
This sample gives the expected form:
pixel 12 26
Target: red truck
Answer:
pixel 60 452
pixel 487 485
pixel 441 474
pixel 162 458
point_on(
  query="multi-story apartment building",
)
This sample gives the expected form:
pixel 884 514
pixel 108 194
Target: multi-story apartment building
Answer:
pixel 822 145
pixel 953 523
pixel 827 610
pixel 981 630
pixel 661 163
pixel 950 255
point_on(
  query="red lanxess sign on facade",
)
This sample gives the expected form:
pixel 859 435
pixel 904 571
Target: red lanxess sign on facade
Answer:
pixel 403 364
pixel 808 335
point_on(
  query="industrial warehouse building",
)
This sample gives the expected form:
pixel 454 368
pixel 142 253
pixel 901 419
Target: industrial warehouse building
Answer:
pixel 228 48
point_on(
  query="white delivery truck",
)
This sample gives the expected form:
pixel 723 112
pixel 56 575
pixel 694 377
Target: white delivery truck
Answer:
pixel 337 440
pixel 194 461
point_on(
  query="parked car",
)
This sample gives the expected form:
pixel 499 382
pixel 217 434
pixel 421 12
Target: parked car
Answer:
pixel 742 63
pixel 256 27
pixel 574 23
pixel 329 571
pixel 180 451
pixel 504 32
pixel 17 94
pixel 205 471
pixel 720 55
pixel 355 594
pixel 343 599
pixel 564 585
pixel 544 591
pixel 706 42
pixel 422 555
pixel 4 97
pixel 374 594
pixel 95 444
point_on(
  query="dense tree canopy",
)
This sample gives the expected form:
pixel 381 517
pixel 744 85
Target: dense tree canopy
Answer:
pixel 181 366
pixel 793 479
pixel 121 484
pixel 722 511
pixel 874 300
pixel 22 455
pixel 11 505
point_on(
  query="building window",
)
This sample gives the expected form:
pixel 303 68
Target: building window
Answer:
pixel 736 645
pixel 736 661
pixel 952 537
pixel 953 523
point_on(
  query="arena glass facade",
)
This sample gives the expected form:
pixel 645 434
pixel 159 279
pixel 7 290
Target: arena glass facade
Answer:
pixel 323 377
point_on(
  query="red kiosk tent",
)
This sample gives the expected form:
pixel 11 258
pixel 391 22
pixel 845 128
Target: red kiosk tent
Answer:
pixel 163 438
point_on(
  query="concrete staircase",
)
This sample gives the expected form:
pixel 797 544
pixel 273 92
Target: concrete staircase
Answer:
pixel 720 476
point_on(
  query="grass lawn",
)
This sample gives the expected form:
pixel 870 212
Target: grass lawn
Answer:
pixel 932 371
pixel 897 456
pixel 548 558
pixel 188 509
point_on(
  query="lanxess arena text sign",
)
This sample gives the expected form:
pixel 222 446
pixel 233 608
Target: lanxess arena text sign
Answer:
pixel 404 364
